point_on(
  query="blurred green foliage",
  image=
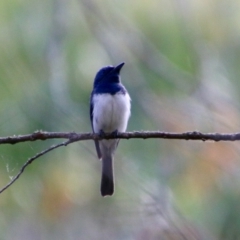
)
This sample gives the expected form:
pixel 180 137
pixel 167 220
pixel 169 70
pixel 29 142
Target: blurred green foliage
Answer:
pixel 182 72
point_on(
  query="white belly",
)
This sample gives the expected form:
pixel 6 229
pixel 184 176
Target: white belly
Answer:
pixel 111 112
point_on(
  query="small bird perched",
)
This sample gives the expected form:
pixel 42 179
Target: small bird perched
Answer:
pixel 109 113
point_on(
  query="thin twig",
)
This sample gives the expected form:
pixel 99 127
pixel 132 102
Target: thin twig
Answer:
pixel 30 160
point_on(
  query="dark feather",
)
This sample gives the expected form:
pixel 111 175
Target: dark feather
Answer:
pixel 91 117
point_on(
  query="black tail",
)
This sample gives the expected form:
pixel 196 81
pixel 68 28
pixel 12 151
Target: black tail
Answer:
pixel 107 184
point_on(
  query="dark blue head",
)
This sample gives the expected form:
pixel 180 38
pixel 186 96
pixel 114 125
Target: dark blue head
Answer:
pixel 108 75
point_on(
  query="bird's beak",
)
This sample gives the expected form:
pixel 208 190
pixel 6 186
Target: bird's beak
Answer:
pixel 118 68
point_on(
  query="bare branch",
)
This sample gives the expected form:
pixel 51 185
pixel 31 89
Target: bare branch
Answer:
pixel 73 137
pixel 30 160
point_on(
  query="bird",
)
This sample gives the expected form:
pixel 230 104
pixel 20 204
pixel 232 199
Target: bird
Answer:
pixel 110 109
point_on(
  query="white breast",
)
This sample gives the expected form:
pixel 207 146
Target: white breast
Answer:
pixel 111 112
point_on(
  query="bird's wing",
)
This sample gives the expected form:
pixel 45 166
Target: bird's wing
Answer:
pixel 91 117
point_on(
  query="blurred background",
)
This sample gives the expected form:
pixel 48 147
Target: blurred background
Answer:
pixel 182 72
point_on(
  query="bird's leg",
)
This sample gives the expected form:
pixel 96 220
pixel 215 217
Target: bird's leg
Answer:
pixel 115 133
pixel 101 133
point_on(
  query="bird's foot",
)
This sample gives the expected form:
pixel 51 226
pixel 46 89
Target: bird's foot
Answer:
pixel 101 133
pixel 115 133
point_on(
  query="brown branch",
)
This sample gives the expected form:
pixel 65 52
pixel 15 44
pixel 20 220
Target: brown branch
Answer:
pixel 74 137
pixel 40 135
